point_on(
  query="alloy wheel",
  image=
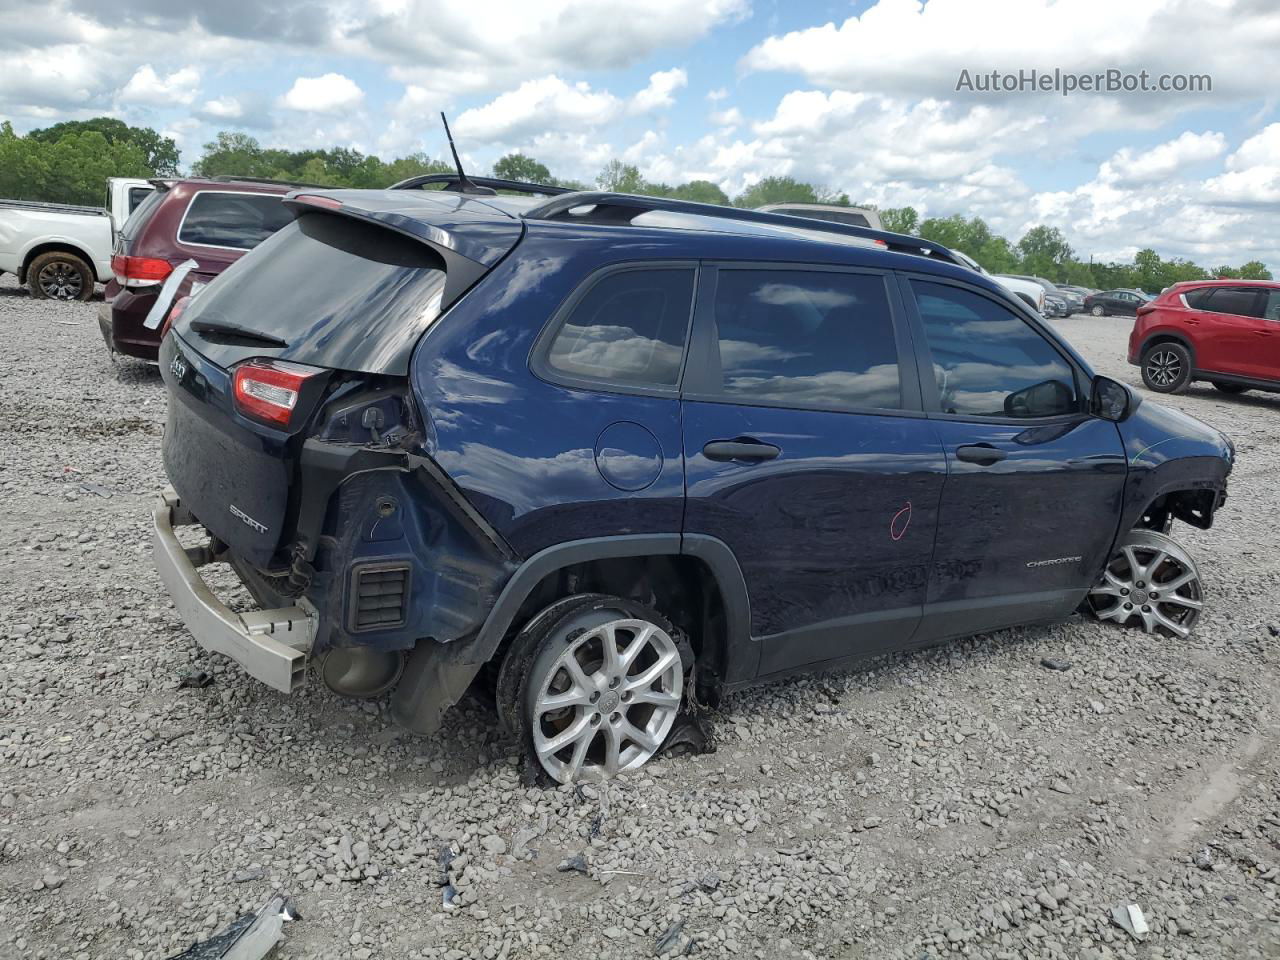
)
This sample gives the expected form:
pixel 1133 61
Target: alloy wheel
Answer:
pixel 60 281
pixel 1154 580
pixel 1164 368
pixel 607 701
pixel 1097 311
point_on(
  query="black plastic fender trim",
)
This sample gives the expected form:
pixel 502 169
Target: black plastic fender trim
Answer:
pixel 739 659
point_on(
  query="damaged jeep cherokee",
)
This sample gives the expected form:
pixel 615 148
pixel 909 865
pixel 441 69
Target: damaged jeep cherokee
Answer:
pixel 605 453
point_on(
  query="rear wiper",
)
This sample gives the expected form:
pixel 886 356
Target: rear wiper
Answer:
pixel 237 332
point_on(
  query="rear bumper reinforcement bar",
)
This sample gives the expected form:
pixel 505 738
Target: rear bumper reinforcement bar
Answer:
pixel 271 645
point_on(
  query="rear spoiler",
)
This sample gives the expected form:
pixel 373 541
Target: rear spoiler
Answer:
pixel 467 258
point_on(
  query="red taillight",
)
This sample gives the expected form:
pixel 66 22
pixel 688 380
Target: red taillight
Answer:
pixel 139 271
pixel 174 313
pixel 267 390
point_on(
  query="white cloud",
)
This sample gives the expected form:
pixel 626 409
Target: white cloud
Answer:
pixel 1131 166
pixel 718 94
pixel 727 118
pixel 330 93
pixel 547 103
pixel 447 48
pixel 146 86
pixel 659 93
pixel 223 108
pixel 918 49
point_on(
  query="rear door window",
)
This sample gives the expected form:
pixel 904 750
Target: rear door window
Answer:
pixel 239 221
pixel 628 329
pixel 1271 305
pixel 988 361
pixel 810 339
pixel 1238 301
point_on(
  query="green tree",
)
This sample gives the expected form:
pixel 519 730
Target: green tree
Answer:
pixel 776 190
pixel 1045 252
pixel 900 219
pixel 1255 270
pixel 619 177
pixel 160 153
pixel 72 169
pixel 516 166
pixel 700 191
pixel 232 154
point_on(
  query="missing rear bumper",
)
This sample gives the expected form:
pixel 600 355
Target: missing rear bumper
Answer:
pixel 271 645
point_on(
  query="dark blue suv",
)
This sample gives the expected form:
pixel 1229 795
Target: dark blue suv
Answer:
pixel 604 454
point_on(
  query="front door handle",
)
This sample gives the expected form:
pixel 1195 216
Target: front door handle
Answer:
pixel 983 454
pixel 743 448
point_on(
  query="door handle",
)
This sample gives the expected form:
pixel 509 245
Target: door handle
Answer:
pixel 1262 333
pixel 983 454
pixel 743 448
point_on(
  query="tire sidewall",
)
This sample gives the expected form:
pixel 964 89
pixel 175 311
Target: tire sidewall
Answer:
pixel 1098 311
pixel 42 261
pixel 1184 358
pixel 537 647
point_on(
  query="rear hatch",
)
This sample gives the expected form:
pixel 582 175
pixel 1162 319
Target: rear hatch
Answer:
pixel 335 301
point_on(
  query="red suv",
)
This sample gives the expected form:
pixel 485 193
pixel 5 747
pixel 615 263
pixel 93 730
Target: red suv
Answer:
pixel 1223 331
pixel 211 221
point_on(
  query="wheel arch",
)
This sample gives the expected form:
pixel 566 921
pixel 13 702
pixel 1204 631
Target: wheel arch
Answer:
pixel 57 246
pixel 695 581
pixel 1156 337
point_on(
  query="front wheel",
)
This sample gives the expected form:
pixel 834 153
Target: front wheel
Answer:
pixel 593 686
pixel 1097 310
pixel 1166 368
pixel 1152 580
pixel 59 276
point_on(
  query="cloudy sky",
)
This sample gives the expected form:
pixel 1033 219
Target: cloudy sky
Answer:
pixel 856 96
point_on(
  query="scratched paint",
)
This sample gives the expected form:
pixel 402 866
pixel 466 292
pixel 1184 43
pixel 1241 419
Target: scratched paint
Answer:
pixel 1152 446
pixel 899 522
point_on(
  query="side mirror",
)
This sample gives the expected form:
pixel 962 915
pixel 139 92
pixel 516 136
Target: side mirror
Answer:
pixel 1045 399
pixel 1111 400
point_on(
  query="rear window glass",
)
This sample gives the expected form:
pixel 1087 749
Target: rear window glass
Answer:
pixel 237 220
pixel 1241 301
pixel 628 329
pixel 142 213
pixel 339 292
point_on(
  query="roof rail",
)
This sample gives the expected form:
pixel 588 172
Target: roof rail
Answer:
pixel 228 178
pixel 622 208
pixel 494 183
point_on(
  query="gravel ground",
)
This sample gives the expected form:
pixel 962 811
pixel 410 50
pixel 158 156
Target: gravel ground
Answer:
pixel 964 801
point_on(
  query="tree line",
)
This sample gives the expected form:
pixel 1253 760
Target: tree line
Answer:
pixel 69 163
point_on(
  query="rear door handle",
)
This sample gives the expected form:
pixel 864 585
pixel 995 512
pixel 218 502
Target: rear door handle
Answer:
pixel 744 448
pixel 982 454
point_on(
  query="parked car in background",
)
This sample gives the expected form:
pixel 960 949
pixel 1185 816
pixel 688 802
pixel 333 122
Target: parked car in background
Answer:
pixel 1056 306
pixel 61 250
pixel 211 221
pixel 853 216
pixel 1032 294
pixel 434 434
pixel 1223 331
pixel 1080 292
pixel 1122 302
pixel 1065 300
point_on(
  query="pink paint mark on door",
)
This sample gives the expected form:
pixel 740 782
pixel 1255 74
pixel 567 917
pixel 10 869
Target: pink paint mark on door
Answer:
pixel 899 522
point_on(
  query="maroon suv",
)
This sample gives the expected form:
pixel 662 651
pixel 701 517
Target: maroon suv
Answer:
pixel 211 221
